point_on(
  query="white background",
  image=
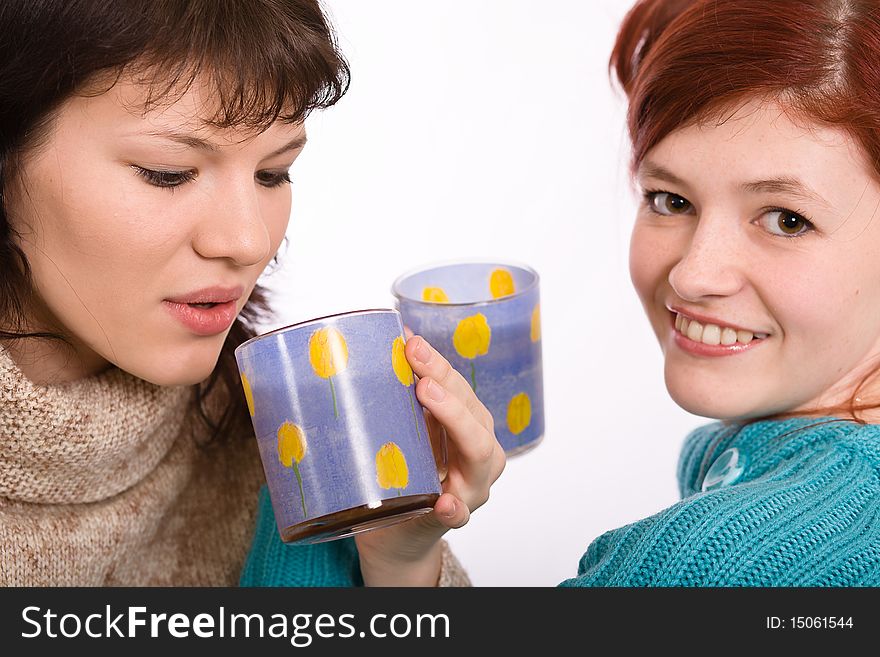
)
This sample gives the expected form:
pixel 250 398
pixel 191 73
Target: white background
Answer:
pixel 490 129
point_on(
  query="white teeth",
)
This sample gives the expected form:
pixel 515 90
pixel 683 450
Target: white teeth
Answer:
pixel 713 334
pixel 728 336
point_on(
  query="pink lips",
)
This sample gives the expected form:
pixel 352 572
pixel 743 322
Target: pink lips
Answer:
pixel 206 320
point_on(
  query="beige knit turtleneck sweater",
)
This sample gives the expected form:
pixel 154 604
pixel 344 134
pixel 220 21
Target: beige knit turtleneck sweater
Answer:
pixel 102 482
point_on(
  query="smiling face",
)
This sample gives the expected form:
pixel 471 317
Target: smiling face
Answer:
pixel 145 233
pixel 756 256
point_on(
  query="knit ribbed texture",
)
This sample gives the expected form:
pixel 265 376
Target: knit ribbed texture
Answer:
pixel 270 562
pixel 334 563
pixel 803 513
pixel 102 483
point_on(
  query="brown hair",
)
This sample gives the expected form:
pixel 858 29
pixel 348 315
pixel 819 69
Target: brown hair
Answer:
pixel 268 60
pixel 681 61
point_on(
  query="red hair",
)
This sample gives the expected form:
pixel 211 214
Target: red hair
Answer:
pixel 682 61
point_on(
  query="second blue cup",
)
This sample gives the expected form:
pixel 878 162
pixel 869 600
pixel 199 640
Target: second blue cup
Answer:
pixel 485 319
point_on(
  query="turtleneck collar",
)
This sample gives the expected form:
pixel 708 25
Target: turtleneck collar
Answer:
pixel 86 440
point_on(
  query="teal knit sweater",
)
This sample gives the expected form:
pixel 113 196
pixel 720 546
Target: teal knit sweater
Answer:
pixel 804 511
pixel 271 562
pixel 802 508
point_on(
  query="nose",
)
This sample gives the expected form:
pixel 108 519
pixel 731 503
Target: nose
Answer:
pixel 233 226
pixel 712 260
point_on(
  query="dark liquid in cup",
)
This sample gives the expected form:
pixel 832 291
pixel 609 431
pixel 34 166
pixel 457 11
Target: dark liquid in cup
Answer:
pixel 361 518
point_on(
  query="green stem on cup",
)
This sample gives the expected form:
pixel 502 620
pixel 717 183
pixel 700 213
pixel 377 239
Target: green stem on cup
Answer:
pixel 302 495
pixel 398 492
pixel 473 377
pixel 333 392
pixel 415 417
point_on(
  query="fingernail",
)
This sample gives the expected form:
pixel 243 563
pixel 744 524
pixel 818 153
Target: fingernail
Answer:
pixel 423 352
pixel 451 512
pixel 435 390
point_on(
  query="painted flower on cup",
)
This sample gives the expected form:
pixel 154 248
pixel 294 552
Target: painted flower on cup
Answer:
pixel 328 355
pixel 404 374
pixel 391 468
pixel 471 339
pixel 435 295
pixel 292 448
pixel 501 283
pixel 519 413
pixel 535 333
pixel 248 393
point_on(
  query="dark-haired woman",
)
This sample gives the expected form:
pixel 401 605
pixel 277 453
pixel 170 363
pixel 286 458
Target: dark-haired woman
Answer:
pixel 144 156
pixel 756 145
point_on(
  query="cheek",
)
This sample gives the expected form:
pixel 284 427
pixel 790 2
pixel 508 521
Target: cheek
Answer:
pixel 276 213
pixel 73 213
pixel 827 312
pixel 650 260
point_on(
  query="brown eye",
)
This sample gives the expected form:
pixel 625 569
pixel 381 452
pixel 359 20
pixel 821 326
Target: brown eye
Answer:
pixel 790 224
pixel 666 203
pixel 786 223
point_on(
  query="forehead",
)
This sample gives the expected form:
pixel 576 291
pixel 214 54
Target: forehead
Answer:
pixel 760 140
pixel 132 106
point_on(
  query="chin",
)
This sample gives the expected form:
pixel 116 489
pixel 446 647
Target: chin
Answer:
pixel 716 404
pixel 177 370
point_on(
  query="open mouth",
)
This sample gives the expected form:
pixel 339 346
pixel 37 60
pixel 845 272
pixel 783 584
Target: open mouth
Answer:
pixel 714 334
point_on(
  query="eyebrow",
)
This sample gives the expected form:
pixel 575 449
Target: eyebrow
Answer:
pixel 192 141
pixel 778 185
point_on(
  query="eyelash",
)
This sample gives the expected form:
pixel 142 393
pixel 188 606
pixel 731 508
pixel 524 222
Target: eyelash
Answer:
pixel 649 202
pixel 172 179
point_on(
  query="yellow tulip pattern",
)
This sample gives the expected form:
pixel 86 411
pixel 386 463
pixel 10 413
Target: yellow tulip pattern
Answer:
pixel 536 323
pixel 292 448
pixel 435 295
pixel 248 393
pixel 519 413
pixel 471 339
pixel 391 469
pixel 404 373
pixel 501 283
pixel 328 354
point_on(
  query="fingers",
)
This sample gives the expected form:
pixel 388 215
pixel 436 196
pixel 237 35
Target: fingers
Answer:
pixel 447 396
pixel 479 456
pixel 428 362
pixel 451 512
pixel 438 444
pixel 452 413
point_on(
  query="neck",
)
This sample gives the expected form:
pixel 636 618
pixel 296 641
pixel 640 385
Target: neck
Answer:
pixel 47 361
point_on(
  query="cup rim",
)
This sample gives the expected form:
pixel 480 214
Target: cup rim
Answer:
pixel 396 291
pixel 314 320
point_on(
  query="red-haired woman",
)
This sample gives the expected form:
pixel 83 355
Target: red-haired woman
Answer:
pixel 755 129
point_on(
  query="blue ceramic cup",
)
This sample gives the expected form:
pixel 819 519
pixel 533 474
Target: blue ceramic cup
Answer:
pixel 341 434
pixel 484 318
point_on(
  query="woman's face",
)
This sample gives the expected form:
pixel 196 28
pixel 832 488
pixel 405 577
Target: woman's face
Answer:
pixel 760 231
pixel 146 233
